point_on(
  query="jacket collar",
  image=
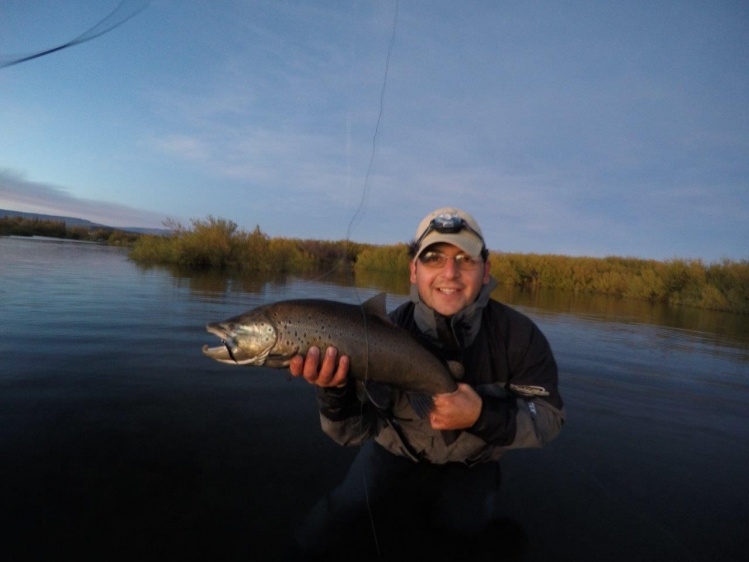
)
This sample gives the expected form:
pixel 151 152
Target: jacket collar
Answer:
pixel 465 324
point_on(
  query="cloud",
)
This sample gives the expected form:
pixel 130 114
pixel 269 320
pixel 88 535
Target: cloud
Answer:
pixel 20 194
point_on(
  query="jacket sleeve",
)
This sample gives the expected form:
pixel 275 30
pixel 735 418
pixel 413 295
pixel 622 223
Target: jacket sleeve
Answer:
pixel 538 422
pixel 346 414
pixel 516 423
pixel 346 417
pixel 526 410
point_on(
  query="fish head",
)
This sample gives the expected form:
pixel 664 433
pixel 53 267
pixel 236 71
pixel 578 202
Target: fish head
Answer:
pixel 244 341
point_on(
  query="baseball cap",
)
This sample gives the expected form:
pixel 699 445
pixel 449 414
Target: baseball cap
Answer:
pixel 451 226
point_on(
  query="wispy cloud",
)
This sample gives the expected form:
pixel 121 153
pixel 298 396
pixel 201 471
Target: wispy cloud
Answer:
pixel 583 131
pixel 20 194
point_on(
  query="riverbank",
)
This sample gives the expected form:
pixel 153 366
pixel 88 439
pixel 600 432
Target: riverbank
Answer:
pixel 24 226
pixel 218 244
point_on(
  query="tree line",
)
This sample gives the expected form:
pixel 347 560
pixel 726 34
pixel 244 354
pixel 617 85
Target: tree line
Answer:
pixel 219 244
pixel 21 226
pixel 215 243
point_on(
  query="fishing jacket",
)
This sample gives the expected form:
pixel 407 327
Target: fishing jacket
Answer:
pixel 506 359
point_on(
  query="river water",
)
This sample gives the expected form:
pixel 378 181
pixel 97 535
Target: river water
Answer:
pixel 120 441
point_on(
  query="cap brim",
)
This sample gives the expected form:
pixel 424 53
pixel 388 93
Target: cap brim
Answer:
pixel 464 240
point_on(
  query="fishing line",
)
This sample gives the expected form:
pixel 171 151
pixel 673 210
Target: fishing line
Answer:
pixel 359 211
pixel 358 214
pixel 124 11
pixel 355 219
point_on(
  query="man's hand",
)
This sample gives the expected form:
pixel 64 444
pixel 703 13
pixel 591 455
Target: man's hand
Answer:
pixel 456 410
pixel 327 374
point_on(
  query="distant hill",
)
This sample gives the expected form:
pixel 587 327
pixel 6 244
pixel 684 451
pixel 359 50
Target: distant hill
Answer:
pixel 72 221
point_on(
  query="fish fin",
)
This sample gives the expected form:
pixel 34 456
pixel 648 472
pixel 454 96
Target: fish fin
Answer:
pixel 456 369
pixel 376 306
pixel 421 403
pixel 449 436
pixel 379 394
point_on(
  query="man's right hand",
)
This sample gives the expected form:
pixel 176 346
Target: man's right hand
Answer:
pixel 328 374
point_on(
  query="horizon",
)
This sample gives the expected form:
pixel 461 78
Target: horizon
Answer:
pixel 567 129
pixel 165 229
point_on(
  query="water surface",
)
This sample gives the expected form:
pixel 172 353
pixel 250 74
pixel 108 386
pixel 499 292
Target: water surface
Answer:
pixel 120 441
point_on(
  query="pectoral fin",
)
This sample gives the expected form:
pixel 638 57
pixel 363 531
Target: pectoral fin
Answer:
pixel 422 404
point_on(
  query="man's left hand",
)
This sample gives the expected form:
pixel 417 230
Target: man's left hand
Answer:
pixel 456 410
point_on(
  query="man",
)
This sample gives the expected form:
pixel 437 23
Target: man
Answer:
pixel 507 396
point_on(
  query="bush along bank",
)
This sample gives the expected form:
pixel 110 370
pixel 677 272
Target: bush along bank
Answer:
pixel 219 244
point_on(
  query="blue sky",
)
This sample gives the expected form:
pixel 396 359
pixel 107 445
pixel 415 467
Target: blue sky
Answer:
pixel 579 128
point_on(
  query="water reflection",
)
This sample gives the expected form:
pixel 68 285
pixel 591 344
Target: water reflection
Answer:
pixel 605 308
pixel 660 332
pixel 127 440
pixel 699 323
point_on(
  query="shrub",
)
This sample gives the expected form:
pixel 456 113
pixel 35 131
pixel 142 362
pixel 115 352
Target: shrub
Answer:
pixel 218 244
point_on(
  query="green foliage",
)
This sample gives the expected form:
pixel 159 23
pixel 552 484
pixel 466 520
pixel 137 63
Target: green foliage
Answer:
pixel 385 259
pixel 19 226
pixel 718 286
pixel 218 244
pixel 121 238
pixel 210 244
pixel 151 249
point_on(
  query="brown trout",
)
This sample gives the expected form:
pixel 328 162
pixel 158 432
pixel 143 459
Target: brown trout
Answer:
pixel 379 350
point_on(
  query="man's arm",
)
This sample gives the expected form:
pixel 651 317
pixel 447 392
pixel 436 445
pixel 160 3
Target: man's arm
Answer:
pixel 525 409
pixel 343 417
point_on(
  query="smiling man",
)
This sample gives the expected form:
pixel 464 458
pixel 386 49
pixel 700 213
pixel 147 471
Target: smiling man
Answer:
pixel 507 396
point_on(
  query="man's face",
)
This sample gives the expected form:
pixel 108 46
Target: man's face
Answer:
pixel 450 288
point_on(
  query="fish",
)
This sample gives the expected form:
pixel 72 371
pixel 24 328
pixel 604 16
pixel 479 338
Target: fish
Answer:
pixel 379 351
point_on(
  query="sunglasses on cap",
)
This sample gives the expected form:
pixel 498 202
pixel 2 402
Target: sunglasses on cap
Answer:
pixel 448 224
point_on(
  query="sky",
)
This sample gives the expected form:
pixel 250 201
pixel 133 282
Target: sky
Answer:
pixel 578 128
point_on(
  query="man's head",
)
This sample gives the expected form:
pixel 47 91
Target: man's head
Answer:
pixel 453 226
pixel 449 260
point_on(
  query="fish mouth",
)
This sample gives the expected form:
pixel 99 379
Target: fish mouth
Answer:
pixel 222 353
pixel 230 351
pixel 226 352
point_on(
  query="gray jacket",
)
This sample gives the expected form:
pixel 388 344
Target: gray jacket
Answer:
pixel 506 359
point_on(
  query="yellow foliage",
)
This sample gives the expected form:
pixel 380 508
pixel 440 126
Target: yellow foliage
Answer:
pixel 218 244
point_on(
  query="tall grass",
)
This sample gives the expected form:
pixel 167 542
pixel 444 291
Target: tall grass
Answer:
pixel 219 244
pixel 384 259
pixel 20 226
pixel 718 286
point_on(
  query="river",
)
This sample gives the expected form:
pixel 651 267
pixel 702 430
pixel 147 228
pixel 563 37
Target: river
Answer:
pixel 120 441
